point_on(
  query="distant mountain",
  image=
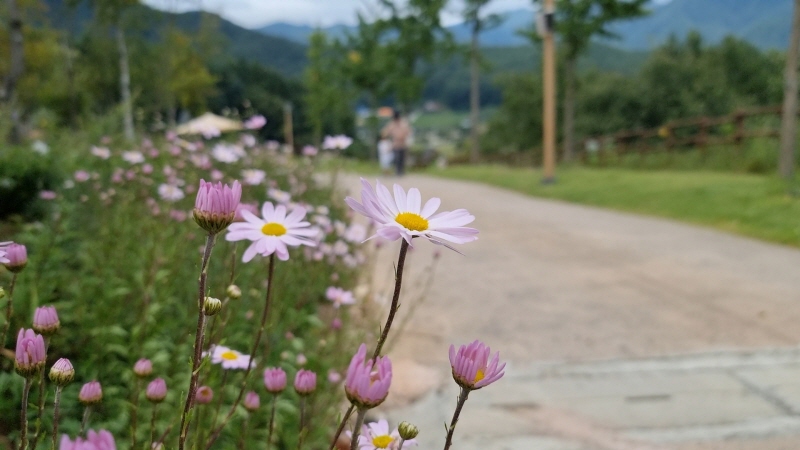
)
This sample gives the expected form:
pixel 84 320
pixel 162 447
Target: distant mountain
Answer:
pixel 764 23
pixel 280 54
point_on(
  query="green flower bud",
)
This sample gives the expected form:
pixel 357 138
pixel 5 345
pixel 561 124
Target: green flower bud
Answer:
pixel 407 431
pixel 211 306
pixel 234 292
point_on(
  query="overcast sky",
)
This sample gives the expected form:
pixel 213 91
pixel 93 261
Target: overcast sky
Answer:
pixel 256 13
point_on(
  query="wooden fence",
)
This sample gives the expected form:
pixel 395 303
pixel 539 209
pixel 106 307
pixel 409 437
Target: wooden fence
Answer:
pixel 696 132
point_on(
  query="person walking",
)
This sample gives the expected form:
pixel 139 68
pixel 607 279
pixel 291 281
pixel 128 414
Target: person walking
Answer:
pixel 398 131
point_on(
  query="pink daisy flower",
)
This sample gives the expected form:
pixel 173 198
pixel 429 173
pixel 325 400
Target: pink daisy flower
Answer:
pixel 274 232
pixel 339 296
pixel 404 216
pixel 472 368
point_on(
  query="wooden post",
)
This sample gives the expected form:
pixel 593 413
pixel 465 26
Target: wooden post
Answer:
pixel 549 78
pixel 288 126
pixel 789 117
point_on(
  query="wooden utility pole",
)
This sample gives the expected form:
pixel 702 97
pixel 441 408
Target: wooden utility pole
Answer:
pixel 549 77
pixel 288 126
pixel 789 117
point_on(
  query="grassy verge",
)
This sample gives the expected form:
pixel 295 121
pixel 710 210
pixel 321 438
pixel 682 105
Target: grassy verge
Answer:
pixel 752 205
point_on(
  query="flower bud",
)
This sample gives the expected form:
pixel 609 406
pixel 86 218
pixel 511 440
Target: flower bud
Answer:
pixel 274 380
pixel 30 354
pixel 305 383
pixel 156 390
pixel 45 320
pixel 91 393
pixel 17 256
pixel 211 306
pixel 143 368
pixel 62 373
pixel 234 292
pixel 407 431
pixel 252 401
pixel 204 395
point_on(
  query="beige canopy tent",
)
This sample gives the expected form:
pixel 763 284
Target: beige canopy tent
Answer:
pixel 207 123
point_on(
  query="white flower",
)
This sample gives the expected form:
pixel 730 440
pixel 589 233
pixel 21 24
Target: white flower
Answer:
pixel 40 147
pixel 228 358
pixel 170 192
pixel 133 157
pixel 253 176
pixel 340 142
pixel 403 216
pixel 101 152
pixel 377 436
pixel 274 232
pixel 279 195
pixel 227 153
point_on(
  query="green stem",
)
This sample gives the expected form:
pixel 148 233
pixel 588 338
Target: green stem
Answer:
pixel 302 433
pixel 39 431
pixel 343 423
pixel 198 343
pixel 153 425
pixel 398 282
pixel 8 310
pixel 271 421
pixel 135 411
pixel 85 421
pixel 362 412
pixel 402 441
pixel 23 436
pixel 56 404
pixel 256 344
pixel 462 398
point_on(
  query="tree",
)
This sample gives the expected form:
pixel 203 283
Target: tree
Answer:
pixel 577 22
pixel 477 24
pixel 16 66
pixel 789 118
pixel 413 33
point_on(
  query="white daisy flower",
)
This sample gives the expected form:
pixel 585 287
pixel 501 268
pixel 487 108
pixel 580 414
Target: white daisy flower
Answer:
pixel 229 358
pixel 101 152
pixel 403 216
pixel 227 153
pixel 253 177
pixel 274 232
pixel 133 157
pixel 170 192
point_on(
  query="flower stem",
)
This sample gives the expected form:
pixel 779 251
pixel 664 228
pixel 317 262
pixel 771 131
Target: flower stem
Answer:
pixel 398 282
pixel 362 413
pixel 56 404
pixel 153 425
pixel 271 421
pixel 86 412
pixel 135 411
pixel 8 310
pixel 256 343
pixel 219 397
pixel 39 431
pixel 339 430
pixel 198 343
pixel 400 446
pixel 23 436
pixel 243 436
pixel 302 433
pixel 462 398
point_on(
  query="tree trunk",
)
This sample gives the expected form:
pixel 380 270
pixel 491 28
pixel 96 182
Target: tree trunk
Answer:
pixel 125 82
pixel 569 110
pixel 475 95
pixel 789 117
pixel 16 68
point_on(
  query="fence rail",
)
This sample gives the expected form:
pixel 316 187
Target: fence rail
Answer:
pixel 696 132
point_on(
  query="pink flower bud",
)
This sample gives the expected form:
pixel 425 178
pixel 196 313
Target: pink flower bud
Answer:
pixel 143 368
pixel 91 393
pixel 472 368
pixel 30 354
pixel 305 382
pixel 215 205
pixel 62 372
pixel 45 320
pixel 367 382
pixel 17 256
pixel 156 390
pixel 274 380
pixel 252 401
pixel 204 395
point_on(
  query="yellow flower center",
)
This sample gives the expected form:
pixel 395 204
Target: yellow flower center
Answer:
pixel 229 355
pixel 412 221
pixel 479 376
pixel 382 441
pixel 273 229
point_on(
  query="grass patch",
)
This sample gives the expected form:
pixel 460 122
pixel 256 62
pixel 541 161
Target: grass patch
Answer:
pixel 758 206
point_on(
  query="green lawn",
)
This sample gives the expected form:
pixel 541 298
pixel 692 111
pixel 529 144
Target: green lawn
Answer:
pixel 752 205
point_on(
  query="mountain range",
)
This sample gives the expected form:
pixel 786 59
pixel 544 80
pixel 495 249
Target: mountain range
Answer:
pixel 764 23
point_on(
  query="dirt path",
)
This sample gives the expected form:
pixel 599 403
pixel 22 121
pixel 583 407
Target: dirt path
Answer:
pixel 555 286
